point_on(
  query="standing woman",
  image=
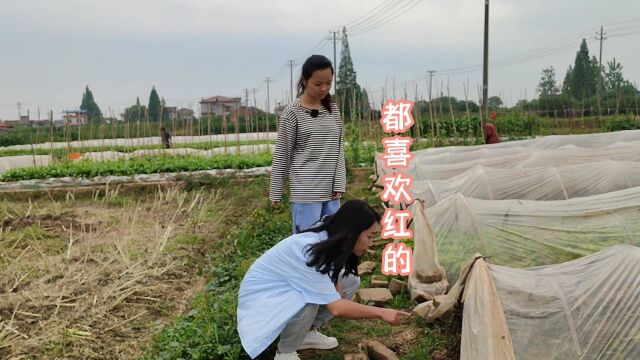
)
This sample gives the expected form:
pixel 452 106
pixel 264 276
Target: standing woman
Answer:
pixel 309 149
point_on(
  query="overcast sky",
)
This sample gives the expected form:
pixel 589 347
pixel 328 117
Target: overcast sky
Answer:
pixel 190 49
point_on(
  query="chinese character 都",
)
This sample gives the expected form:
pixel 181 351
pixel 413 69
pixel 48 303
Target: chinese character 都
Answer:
pixel 396 116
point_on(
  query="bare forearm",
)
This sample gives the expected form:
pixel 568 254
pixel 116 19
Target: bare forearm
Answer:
pixel 348 309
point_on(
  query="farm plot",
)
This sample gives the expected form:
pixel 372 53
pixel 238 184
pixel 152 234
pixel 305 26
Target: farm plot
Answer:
pixel 90 275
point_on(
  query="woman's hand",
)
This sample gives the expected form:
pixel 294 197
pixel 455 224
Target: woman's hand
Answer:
pixel 392 316
pixel 336 195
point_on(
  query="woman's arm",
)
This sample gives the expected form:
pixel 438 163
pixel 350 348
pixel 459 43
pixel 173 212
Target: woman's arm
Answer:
pixel 348 309
pixel 282 154
pixel 340 180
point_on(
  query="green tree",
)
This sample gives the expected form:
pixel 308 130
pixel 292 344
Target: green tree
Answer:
pixel 89 105
pixel 154 105
pixel 566 83
pixel 614 79
pixel 347 89
pixel 135 112
pixel 583 79
pixel 617 90
pixel 494 102
pixel 547 86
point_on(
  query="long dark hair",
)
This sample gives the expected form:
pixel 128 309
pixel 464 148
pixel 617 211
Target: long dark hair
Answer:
pixel 344 227
pixel 313 63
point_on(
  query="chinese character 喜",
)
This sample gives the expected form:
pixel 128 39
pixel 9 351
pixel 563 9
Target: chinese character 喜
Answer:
pixel 396 151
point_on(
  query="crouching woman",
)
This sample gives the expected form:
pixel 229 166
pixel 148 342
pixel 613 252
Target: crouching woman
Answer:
pixel 304 281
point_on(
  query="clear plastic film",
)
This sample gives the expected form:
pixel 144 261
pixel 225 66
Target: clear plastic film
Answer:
pixel 582 309
pixel 522 233
pixel 585 309
pixel 445 154
pixel 421 168
pixel 538 183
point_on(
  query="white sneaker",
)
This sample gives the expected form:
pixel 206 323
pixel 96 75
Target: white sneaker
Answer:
pixel 316 340
pixel 286 356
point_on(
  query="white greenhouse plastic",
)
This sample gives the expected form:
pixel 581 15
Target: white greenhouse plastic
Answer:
pixel 528 158
pixel 543 142
pixel 538 183
pixel 522 233
pixel 581 309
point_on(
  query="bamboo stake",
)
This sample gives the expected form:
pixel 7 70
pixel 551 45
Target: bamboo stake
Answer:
pixel 453 120
pixel 51 133
pixel 466 104
pixel 480 113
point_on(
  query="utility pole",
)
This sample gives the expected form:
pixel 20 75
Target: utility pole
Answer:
pixel 430 72
pixel 268 81
pixel 255 104
pixel 485 70
pixel 334 35
pixel 291 63
pixel 19 110
pixel 600 36
pixel 246 96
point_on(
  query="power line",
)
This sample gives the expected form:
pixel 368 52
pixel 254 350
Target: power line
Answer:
pixel 368 14
pixel 518 59
pixel 388 17
pixel 381 10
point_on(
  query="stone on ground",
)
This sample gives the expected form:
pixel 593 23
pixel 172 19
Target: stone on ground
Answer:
pixel 377 351
pixel 366 267
pixel 397 286
pixel 378 296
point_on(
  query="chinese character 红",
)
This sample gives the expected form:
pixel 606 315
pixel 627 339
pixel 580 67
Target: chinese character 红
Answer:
pixel 394 224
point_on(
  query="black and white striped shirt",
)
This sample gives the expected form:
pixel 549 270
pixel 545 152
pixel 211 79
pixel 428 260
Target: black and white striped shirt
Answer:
pixel 310 153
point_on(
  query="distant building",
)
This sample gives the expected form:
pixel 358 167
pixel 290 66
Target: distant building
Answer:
pixel 74 117
pixel 279 109
pixel 171 111
pixel 185 114
pixel 247 111
pixel 219 105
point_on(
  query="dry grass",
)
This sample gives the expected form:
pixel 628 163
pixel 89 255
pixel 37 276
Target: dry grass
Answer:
pixel 87 279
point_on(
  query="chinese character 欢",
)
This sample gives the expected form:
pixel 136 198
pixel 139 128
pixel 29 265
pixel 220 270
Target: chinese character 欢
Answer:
pixel 396 259
pixel 396 188
pixel 396 116
pixel 396 151
pixel 394 224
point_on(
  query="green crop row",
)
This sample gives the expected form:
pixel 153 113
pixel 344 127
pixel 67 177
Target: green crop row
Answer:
pixel 142 165
pixel 62 153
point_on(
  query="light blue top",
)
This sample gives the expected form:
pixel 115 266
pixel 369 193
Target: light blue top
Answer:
pixel 276 287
